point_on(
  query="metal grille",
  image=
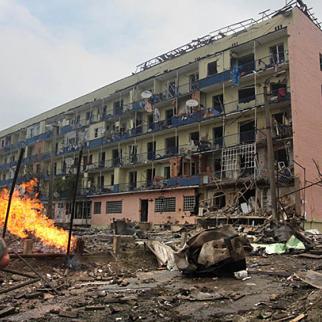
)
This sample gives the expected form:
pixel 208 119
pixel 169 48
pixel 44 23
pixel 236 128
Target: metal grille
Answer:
pixel 114 207
pixel 238 158
pixel 189 203
pixel 165 204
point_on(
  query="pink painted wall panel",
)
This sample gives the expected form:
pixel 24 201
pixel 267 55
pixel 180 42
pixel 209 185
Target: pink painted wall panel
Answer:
pixel 305 46
pixel 131 208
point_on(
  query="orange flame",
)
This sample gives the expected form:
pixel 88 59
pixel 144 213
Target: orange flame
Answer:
pixel 27 217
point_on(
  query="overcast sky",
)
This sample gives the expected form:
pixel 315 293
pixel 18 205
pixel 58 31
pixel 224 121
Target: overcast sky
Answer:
pixel 54 51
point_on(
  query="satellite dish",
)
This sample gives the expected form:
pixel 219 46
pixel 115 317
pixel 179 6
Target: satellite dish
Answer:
pixel 146 94
pixel 192 103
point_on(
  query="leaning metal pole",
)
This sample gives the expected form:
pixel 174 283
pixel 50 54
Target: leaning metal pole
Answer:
pixel 22 151
pixel 270 155
pixel 74 200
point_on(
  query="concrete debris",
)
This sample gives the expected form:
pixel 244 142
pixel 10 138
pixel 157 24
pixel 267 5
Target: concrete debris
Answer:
pixel 132 287
pixel 212 252
pixel 311 277
pixel 163 253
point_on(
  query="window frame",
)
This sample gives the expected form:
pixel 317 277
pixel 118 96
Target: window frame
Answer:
pixel 116 203
pixel 95 210
pixel 165 204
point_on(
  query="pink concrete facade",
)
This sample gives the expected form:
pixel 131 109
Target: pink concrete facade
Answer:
pixel 305 46
pixel 131 207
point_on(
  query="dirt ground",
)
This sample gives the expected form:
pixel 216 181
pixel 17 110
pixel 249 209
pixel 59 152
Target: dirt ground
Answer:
pixel 131 287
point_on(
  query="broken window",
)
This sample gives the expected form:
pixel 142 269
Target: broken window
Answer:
pixel 165 204
pixel 132 180
pixel 104 111
pixel 100 182
pixel 282 158
pixel 171 89
pixel 194 137
pixel 247 132
pixel 171 145
pixel 193 81
pixel 218 103
pixel 218 139
pixel 246 162
pixel 277 55
pixel 133 153
pixel 116 160
pixel 246 64
pixel 168 116
pixel 102 159
pixel 246 95
pixel 114 207
pixel 83 209
pixel 151 147
pixel 85 162
pixel 278 91
pixel 219 200
pixel 150 122
pixel 88 116
pixel 166 172
pixel 247 201
pixel 281 125
pixel 217 166
pixel 212 68
pixel 97 208
pixel 118 108
pixel 150 174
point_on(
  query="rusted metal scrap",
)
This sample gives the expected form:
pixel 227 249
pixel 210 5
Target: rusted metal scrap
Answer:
pixel 217 251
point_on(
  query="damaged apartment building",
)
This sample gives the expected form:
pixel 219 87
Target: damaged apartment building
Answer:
pixel 186 133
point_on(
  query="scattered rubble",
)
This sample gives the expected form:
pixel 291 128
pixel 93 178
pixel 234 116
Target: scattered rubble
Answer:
pixel 141 281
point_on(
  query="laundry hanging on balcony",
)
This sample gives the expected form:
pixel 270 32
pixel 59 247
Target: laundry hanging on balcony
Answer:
pixel 235 74
pixel 156 115
pixel 148 106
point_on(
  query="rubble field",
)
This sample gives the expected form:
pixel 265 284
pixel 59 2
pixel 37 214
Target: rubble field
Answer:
pixel 130 285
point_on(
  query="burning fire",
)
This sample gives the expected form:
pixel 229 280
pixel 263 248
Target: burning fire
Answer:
pixel 27 217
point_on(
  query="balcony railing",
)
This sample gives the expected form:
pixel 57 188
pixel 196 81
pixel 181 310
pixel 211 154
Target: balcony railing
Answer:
pixel 238 71
pixel 214 79
pixel 143 185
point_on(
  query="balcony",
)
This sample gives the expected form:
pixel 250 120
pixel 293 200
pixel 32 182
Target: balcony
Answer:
pixel 186 119
pixel 281 131
pixel 92 144
pixel 66 129
pixel 41 137
pixel 141 186
pixel 214 79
